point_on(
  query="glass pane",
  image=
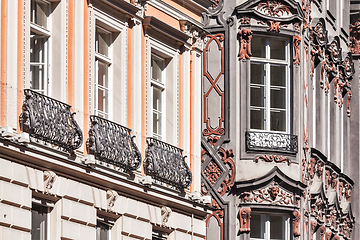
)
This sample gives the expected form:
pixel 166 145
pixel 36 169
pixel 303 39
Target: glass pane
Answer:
pixel 102 231
pixel 257 96
pixel 276 227
pixel 157 66
pixel 103 100
pixel 157 123
pixel 39 13
pixel 278 75
pixel 103 42
pixel 278 98
pixel 258 45
pixel 277 49
pixel 102 74
pixel 257 226
pixel 38 222
pixel 257 119
pixel 157 99
pixel 37 77
pixel 258 73
pixel 37 47
pixel 278 121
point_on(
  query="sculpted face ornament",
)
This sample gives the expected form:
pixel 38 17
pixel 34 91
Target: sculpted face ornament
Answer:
pixel 273 191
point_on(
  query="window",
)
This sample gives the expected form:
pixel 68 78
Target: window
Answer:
pixel 270 85
pixel 158 87
pixel 39 38
pixel 103 228
pixel 40 220
pixel 103 62
pixel 269 226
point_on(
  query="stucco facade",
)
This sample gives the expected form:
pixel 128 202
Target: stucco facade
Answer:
pixel 280 119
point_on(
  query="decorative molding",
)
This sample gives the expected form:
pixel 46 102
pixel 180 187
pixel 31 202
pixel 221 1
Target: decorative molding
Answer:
pixel 273 8
pixel 49 180
pixel 263 141
pixel 195 32
pixel 313 225
pixel 296 42
pixel 213 172
pixel 111 197
pixel 218 39
pixel 245 36
pixel 296 227
pixel 244 215
pixel 226 157
pixel 244 20
pixel 273 158
pixel 165 215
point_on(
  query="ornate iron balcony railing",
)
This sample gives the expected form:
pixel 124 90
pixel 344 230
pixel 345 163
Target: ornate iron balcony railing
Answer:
pixel 268 141
pixel 112 143
pixel 50 120
pixel 166 163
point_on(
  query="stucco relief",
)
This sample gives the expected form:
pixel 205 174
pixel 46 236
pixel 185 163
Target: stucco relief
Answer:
pixel 245 36
pixel 273 158
pixel 355 37
pixel 296 227
pixel 165 215
pixel 244 215
pixel 273 8
pixel 296 42
pixel 49 180
pixel 111 197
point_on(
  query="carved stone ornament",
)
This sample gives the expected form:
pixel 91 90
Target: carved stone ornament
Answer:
pixel 196 33
pixel 213 172
pixel 313 225
pixel 331 219
pixel 297 42
pixel 317 209
pixel 245 20
pixel 228 182
pixel 273 158
pixel 355 37
pixel 111 197
pixel 165 215
pixel 273 8
pixel 49 179
pixel 244 215
pixel 272 194
pixel 296 220
pixel 245 36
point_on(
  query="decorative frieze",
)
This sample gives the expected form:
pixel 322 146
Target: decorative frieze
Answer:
pixel 273 8
pixel 272 194
pixel 273 158
pixel 259 141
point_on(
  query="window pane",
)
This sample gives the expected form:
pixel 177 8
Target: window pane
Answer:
pixel 258 73
pixel 277 49
pixel 257 226
pixel 39 13
pixel 258 45
pixel 157 66
pixel 157 123
pixel 278 121
pixel 103 42
pixel 278 98
pixel 102 231
pixel 102 74
pixel 276 227
pixel 103 100
pixel 37 77
pixel 257 119
pixel 257 96
pixel 278 75
pixel 37 47
pixel 38 222
pixel 156 99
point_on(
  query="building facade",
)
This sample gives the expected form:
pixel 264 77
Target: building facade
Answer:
pixel 100 131
pixel 280 133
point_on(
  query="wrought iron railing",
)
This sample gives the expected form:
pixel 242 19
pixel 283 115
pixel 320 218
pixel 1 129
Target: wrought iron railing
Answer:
pixel 112 143
pixel 166 164
pixel 50 120
pixel 257 141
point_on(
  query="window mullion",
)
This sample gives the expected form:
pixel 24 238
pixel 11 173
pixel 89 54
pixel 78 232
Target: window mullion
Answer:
pixel 267 85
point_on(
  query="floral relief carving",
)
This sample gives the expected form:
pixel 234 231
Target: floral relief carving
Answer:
pixel 331 219
pixel 317 209
pixel 213 172
pixel 272 194
pixel 245 20
pixel 273 158
pixel 297 42
pixel 244 215
pixel 245 36
pixel 229 181
pixel 273 8
pixel 297 218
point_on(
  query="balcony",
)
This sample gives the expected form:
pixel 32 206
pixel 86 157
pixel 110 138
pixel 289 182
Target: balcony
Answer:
pixel 166 164
pixel 50 120
pixel 267 141
pixel 112 143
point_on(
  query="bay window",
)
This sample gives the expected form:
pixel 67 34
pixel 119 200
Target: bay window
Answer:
pixel 270 85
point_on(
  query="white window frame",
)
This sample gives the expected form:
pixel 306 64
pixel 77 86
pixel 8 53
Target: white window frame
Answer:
pixel 49 206
pixel 108 60
pixel 160 86
pixel 265 228
pixel 268 62
pixel 44 33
